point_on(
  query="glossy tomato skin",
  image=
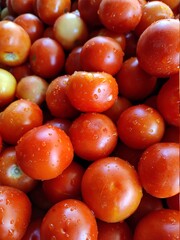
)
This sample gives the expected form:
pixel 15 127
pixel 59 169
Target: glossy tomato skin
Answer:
pixel 22 6
pixel 19 117
pixel 158 48
pixel 69 219
pixel 50 153
pixel 158 169
pixel 140 126
pixel 72 63
pixel 108 187
pixel 168 101
pixel 96 133
pixel 46 57
pixel 33 230
pixel 11 174
pixel 159 224
pixel 101 54
pixel 15 213
pixel 92 91
pixel 15 44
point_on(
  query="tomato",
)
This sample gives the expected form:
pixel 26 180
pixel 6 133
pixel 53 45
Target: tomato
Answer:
pixel 61 123
pixel 15 213
pixel 173 202
pixel 92 91
pixel 15 44
pixel 168 101
pixel 17 118
pixel 96 133
pixel 66 185
pixel 22 6
pixel 133 82
pixel 46 57
pixel 33 230
pixel 101 54
pixel 158 169
pixel 171 134
pixel 72 62
pixel 21 71
pixel 70 30
pixel 69 219
pixel 7 87
pixel 10 173
pixel 120 16
pixel 151 12
pixel 109 231
pixel 31 24
pixel 108 187
pixel 140 126
pixel 159 224
pixel 57 101
pixel 158 48
pixel 39 86
pixel 49 10
pixel 50 153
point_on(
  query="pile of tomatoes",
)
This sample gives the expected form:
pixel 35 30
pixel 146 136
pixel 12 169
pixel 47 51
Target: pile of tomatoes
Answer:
pixel 89 120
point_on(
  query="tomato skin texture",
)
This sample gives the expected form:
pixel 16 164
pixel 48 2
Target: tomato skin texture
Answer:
pixel 168 101
pixel 158 48
pixel 165 225
pixel 15 44
pixel 158 169
pixel 50 153
pixel 69 219
pixel 92 91
pixel 96 132
pixel 108 187
pixel 15 213
pixel 140 126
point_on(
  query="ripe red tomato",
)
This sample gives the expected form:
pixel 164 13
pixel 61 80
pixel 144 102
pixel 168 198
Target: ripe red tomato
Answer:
pixel 159 224
pixel 174 202
pixel 15 213
pixel 96 133
pixel 108 187
pixel 69 219
pixel 50 153
pixel 15 44
pixel 33 230
pixel 158 169
pixel 22 6
pixel 140 126
pixel 92 91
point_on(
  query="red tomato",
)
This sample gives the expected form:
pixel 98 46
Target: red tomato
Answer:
pixel 11 174
pixel 15 213
pixel 15 44
pixel 61 123
pixel 158 169
pixel 22 6
pixel 21 71
pixel 46 57
pixel 101 54
pixel 72 63
pixel 174 202
pixel 108 187
pixel 96 133
pixel 159 224
pixel 50 153
pixel 69 219
pixel 17 118
pixel 92 91
pixel 168 101
pixel 33 230
pixel 158 48
pixel 140 126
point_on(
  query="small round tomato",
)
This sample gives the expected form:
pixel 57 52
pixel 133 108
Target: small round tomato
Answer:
pixel 174 202
pixel 17 118
pixel 108 187
pixel 103 54
pixel 69 219
pixel 61 123
pixel 92 91
pixel 33 230
pixel 21 71
pixel 15 213
pixel 168 101
pixel 159 224
pixel 10 173
pixel 15 44
pixel 158 169
pixel 72 63
pixel 22 6
pixel 50 153
pixel 158 48
pixel 46 57
pixel 7 87
pixel 96 133
pixel 140 126
pixel 120 16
